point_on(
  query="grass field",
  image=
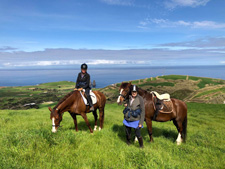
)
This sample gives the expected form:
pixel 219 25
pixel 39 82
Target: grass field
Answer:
pixel 26 141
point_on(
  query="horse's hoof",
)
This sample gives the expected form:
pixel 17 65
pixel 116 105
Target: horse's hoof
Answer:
pixel 95 128
pixel 100 129
pixel 135 140
pixel 54 131
pixel 151 141
pixel 178 143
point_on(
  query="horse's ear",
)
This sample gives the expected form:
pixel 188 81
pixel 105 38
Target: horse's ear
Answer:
pixel 129 84
pixel 50 109
pixel 122 83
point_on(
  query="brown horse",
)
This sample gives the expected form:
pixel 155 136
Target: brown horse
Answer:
pixel 74 104
pixel 179 114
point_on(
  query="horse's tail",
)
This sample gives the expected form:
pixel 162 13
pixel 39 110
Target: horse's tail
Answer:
pixel 184 132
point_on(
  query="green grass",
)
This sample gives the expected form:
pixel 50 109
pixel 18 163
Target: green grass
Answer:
pixel 201 84
pixel 205 81
pixel 55 85
pixel 210 92
pixel 157 84
pixel 16 97
pixel 26 141
pixel 173 77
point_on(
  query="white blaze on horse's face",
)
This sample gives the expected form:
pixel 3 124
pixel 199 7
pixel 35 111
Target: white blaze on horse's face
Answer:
pixel 118 100
pixel 53 125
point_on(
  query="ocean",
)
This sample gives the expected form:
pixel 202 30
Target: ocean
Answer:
pixel 103 76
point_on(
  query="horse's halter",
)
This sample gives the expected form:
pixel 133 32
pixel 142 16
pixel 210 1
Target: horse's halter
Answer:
pixel 56 126
pixel 124 96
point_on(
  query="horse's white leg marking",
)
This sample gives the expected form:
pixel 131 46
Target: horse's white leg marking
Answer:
pixel 100 128
pixel 53 125
pixel 95 127
pixel 118 100
pixel 136 139
pixel 179 139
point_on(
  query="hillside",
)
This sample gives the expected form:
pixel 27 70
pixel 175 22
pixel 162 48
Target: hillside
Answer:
pixel 187 88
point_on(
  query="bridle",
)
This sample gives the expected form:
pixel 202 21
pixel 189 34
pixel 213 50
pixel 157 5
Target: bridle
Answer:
pixel 124 96
pixel 56 125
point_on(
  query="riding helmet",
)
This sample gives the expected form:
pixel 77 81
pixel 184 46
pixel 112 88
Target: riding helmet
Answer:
pixel 84 66
pixel 134 88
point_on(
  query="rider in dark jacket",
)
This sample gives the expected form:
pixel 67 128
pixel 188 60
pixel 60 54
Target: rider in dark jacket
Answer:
pixel 83 82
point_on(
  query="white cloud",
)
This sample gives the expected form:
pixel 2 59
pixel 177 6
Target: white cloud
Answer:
pixel 160 21
pixel 143 23
pixel 156 56
pixel 171 4
pixel 183 23
pixel 74 62
pixel 206 42
pixel 119 2
pixel 208 24
pixel 7 48
pixel 222 62
pixel 193 25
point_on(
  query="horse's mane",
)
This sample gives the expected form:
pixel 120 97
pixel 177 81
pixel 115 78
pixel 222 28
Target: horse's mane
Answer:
pixel 124 85
pixel 63 99
pixel 139 89
pixel 142 90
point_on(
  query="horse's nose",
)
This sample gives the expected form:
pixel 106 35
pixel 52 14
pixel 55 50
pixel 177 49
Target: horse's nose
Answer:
pixel 54 130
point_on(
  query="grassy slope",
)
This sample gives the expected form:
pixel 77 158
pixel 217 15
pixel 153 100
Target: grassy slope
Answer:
pixel 26 141
pixel 193 89
pixel 16 97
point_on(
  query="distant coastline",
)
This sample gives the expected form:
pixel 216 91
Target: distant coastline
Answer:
pixel 104 76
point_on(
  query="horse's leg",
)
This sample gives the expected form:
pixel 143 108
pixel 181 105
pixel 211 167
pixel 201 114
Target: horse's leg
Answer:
pixel 179 126
pixel 101 117
pixel 74 120
pixel 96 118
pixel 87 122
pixel 149 126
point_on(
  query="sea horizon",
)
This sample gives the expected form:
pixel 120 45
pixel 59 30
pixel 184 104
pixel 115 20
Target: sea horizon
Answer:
pixel 117 74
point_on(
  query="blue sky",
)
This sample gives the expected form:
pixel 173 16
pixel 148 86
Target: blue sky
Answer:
pixel 65 33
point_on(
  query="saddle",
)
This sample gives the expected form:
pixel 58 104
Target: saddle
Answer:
pixel 162 103
pixel 165 96
pixel 84 97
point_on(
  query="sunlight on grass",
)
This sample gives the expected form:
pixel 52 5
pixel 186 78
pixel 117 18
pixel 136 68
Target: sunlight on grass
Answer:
pixel 27 142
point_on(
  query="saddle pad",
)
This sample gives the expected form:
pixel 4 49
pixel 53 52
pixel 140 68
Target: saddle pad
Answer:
pixel 164 106
pixel 165 96
pixel 93 98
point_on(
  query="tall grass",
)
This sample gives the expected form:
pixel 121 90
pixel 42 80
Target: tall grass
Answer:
pixel 26 141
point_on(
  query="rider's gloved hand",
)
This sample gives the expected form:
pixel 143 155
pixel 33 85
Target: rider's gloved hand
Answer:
pixel 80 89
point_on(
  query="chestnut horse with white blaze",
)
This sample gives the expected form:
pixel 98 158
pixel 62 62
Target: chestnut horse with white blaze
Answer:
pixel 179 114
pixel 74 104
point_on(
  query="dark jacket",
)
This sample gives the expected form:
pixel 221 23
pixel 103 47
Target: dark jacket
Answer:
pixel 138 103
pixel 83 82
